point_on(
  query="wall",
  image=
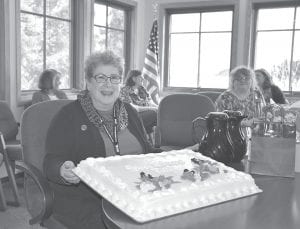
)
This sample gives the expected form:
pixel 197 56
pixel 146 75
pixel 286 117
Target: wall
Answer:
pixel 143 22
pixel 242 56
pixel 142 25
pixel 242 41
pixel 8 48
pixel 2 73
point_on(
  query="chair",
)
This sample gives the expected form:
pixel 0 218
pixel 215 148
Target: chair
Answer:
pixel 175 115
pixel 296 107
pixel 38 193
pixel 2 197
pixel 213 95
pixel 9 147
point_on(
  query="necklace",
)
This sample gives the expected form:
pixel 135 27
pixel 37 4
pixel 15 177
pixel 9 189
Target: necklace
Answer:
pixel 114 136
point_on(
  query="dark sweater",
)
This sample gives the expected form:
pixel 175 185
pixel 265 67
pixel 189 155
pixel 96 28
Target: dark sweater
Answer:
pixel 71 136
pixel 277 95
pixel 41 96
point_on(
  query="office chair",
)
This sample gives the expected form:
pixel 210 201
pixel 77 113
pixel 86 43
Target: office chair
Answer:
pixel 213 95
pixel 38 193
pixel 10 147
pixel 175 116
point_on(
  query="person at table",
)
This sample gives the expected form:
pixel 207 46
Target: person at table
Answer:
pixel 97 124
pixel 269 90
pixel 136 94
pixel 49 82
pixel 242 95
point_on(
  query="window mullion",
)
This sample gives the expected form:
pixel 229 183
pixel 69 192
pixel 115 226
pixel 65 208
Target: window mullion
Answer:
pixel 199 51
pixel 44 35
pixel 292 51
pixel 106 29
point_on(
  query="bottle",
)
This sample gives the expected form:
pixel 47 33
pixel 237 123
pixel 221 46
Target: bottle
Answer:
pixel 259 103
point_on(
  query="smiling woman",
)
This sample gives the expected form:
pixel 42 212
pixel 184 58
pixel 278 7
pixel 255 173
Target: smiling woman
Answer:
pixel 97 124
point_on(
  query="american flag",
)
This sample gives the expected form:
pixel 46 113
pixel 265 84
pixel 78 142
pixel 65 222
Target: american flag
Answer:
pixel 150 69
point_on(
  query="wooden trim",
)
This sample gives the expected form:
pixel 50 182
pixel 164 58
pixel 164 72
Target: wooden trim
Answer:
pixel 253 6
pixel 24 97
pixel 2 52
pixel 128 7
pixel 183 7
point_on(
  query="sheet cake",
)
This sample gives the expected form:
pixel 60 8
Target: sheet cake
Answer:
pixel 151 186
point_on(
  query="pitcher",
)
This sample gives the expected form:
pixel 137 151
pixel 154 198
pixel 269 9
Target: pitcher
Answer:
pixel 217 143
pixel 239 143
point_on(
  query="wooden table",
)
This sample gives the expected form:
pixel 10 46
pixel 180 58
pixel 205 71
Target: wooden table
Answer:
pixel 278 207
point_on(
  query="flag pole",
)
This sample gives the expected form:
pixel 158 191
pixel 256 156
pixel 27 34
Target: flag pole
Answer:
pixel 155 10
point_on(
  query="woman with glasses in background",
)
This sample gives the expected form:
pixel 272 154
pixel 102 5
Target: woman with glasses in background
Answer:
pixel 49 82
pixel 97 124
pixel 136 94
pixel 242 95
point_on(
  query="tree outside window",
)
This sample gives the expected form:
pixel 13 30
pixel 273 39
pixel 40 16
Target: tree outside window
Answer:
pixel 45 37
pixel 109 28
pixel 277 47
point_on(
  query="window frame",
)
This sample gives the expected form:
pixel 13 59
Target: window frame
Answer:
pixel 128 12
pixel 3 80
pixel 23 97
pixel 255 5
pixel 213 6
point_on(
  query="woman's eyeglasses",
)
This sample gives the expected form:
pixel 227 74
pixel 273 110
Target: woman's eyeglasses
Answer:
pixel 243 78
pixel 113 78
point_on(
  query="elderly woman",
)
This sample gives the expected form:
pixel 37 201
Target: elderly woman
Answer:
pixel 49 82
pixel 134 93
pixel 97 124
pixel 242 94
pixel 268 88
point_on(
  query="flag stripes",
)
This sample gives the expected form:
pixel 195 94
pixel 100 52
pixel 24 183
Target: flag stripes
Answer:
pixel 150 69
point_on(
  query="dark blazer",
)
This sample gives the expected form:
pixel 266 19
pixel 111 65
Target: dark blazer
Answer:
pixel 277 95
pixel 72 136
pixel 41 96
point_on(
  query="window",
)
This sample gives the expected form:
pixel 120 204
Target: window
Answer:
pixel 45 39
pixel 111 28
pixel 199 48
pixel 277 45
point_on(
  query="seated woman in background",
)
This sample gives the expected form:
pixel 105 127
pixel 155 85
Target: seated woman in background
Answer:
pixel 268 89
pixel 242 95
pixel 134 93
pixel 97 124
pixel 49 82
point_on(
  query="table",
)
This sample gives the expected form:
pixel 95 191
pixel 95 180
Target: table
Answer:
pixel 277 207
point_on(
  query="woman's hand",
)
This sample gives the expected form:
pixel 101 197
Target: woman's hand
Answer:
pixel 67 174
pixel 193 147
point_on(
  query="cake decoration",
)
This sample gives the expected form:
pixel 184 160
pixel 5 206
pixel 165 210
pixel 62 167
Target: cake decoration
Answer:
pixel 202 170
pixel 150 184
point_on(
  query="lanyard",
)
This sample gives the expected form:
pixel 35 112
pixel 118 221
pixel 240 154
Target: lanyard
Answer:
pixel 113 138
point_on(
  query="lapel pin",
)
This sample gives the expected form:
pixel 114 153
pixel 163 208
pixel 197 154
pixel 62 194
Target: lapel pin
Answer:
pixel 83 127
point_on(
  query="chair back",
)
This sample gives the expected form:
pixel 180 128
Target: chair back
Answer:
pixel 8 124
pixel 35 122
pixel 213 95
pixel 175 115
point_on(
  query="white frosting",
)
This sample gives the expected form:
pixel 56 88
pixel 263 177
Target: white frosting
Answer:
pixel 117 179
